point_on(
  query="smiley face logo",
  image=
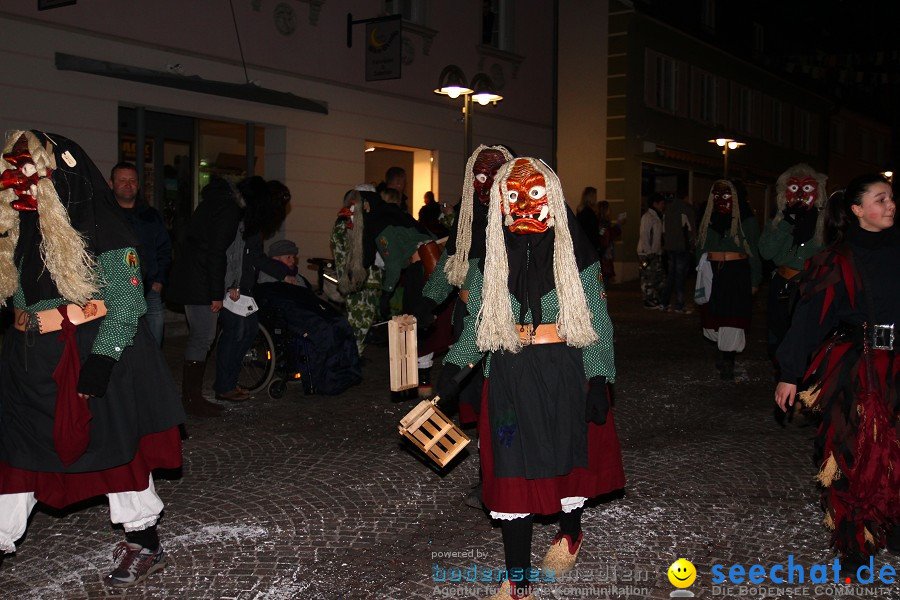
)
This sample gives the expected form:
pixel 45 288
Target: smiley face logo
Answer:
pixel 682 573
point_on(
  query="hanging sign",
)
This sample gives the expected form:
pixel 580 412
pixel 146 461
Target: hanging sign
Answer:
pixel 383 48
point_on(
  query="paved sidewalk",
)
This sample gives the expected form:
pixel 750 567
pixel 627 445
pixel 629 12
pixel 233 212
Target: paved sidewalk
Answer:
pixel 316 498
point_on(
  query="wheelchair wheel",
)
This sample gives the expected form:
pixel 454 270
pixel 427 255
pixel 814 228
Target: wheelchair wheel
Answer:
pixel 277 388
pixel 258 364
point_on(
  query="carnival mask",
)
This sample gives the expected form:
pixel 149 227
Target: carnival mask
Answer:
pixel 486 164
pixel 22 179
pixel 723 198
pixel 801 192
pixel 527 195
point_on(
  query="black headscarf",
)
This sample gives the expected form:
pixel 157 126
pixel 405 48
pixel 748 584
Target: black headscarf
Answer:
pixel 531 264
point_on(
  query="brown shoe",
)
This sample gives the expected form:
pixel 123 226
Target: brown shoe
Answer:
pixel 562 554
pixel 507 592
pixel 235 395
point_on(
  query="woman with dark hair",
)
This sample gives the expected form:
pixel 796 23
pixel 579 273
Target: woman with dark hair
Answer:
pixel 609 234
pixel 261 217
pixel 850 302
pixel 588 216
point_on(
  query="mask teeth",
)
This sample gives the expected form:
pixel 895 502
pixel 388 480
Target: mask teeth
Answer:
pixel 551 222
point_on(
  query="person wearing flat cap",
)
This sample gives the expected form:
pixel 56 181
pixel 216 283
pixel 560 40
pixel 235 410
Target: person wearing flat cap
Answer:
pixel 283 264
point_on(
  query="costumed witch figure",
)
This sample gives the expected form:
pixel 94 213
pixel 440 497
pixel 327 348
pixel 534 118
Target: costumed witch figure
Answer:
pixel 537 309
pixel 463 251
pixel 847 315
pixel 359 286
pixel 87 403
pixel 792 237
pixel 385 236
pixel 729 234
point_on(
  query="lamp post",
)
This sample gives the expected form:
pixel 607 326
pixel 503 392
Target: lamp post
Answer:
pixel 726 144
pixel 452 83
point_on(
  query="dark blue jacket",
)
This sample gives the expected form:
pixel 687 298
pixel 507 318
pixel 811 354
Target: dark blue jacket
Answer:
pixel 154 245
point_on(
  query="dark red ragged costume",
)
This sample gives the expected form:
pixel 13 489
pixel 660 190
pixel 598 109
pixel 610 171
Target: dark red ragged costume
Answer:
pixel 855 389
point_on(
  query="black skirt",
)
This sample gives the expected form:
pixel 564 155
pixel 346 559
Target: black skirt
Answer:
pixel 141 399
pixel 536 403
pixel 731 303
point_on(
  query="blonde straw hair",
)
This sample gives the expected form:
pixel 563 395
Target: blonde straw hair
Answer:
pixel 353 275
pixel 457 265
pixel 496 326
pixel 63 249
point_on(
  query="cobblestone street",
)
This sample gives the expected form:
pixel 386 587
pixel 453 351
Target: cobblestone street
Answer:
pixel 315 497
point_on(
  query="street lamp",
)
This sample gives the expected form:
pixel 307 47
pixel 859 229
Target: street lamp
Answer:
pixel 726 144
pixel 452 83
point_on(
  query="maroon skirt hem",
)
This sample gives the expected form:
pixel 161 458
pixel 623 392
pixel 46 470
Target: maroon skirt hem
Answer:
pixel 161 450
pixel 604 473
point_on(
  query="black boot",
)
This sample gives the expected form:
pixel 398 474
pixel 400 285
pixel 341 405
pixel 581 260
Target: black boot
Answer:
pixel 727 371
pixel 192 391
pixel 425 390
pixel 892 536
pixel 851 561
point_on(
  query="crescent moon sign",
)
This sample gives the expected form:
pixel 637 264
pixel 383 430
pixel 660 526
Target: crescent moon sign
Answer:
pixel 373 39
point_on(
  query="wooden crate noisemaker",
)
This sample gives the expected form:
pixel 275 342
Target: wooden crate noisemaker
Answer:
pixel 432 432
pixel 403 350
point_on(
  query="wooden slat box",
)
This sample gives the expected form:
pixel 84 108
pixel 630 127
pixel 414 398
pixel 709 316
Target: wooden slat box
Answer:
pixel 403 352
pixel 432 432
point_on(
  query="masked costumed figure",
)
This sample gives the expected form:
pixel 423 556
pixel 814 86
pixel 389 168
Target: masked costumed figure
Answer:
pixel 729 234
pixel 464 249
pixel 537 313
pixel 87 403
pixel 846 317
pixel 361 288
pixel 385 236
pixel 793 237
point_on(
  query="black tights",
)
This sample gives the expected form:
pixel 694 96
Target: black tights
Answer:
pixel 570 523
pixel 517 542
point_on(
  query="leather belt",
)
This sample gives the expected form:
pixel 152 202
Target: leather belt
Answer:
pixel 875 336
pixel 787 272
pixel 725 256
pixel 47 321
pixel 464 295
pixel 542 334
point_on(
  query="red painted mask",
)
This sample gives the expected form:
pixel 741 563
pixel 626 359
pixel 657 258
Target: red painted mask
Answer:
pixel 23 178
pixel 723 198
pixel 801 191
pixel 486 164
pixel 527 194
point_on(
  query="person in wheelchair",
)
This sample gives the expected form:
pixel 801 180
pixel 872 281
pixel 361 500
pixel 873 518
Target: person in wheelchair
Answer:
pixel 311 336
pixel 283 262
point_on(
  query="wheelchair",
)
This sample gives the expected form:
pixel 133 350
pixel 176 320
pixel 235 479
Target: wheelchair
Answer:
pixel 276 356
pixel 273 360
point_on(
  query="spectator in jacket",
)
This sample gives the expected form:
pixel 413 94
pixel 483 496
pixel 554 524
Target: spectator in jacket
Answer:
pixel 678 242
pixel 261 216
pixel 154 245
pixel 649 251
pixel 197 279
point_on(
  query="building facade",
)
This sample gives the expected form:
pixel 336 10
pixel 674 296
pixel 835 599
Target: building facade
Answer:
pixel 275 89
